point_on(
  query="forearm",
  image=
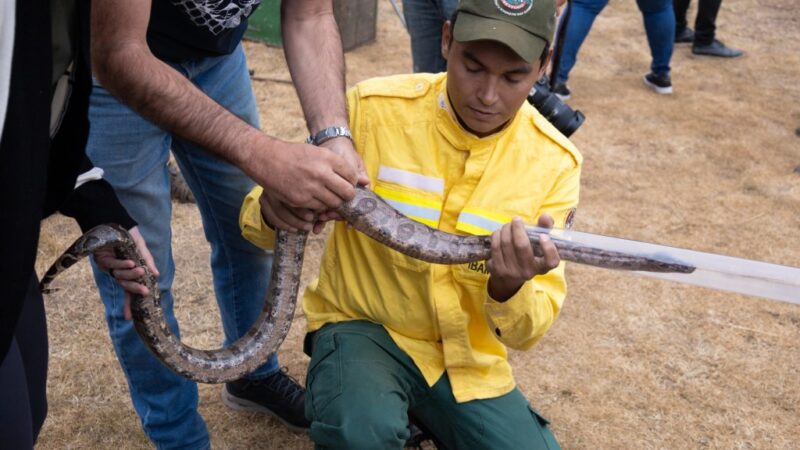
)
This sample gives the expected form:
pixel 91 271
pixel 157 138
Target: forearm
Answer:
pixel 298 175
pixel 314 54
pixel 162 95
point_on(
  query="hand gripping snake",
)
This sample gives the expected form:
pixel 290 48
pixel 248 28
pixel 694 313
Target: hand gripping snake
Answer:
pixel 368 214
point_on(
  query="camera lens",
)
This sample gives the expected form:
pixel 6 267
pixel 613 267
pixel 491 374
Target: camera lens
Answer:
pixel 553 109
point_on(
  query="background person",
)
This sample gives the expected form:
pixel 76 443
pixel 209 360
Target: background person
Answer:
pixel 424 20
pixel 659 25
pixel 702 38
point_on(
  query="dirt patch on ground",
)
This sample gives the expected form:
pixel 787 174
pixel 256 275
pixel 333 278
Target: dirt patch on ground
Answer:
pixel 631 362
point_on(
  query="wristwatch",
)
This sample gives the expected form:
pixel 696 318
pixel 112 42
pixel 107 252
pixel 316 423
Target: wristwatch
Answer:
pixel 329 133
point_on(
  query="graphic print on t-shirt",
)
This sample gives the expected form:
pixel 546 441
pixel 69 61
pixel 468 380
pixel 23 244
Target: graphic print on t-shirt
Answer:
pixel 217 15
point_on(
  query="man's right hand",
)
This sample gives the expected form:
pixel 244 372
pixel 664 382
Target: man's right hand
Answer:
pixel 301 180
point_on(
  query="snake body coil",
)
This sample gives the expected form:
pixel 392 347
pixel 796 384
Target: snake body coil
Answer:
pixel 368 214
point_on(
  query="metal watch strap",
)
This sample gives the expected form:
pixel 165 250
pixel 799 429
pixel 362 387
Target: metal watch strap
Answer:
pixel 329 133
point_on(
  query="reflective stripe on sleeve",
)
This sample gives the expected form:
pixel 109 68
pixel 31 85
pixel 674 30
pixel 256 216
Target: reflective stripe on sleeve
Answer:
pixel 480 222
pixel 420 209
pixel 411 179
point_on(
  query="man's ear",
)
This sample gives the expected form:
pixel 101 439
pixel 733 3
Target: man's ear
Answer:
pixel 446 38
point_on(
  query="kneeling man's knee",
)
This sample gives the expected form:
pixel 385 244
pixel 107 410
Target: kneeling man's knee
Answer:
pixel 361 433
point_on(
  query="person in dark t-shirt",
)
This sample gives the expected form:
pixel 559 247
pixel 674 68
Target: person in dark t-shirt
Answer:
pixel 190 29
pixel 172 75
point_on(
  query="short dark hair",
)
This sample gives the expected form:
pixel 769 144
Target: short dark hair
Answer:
pixel 454 17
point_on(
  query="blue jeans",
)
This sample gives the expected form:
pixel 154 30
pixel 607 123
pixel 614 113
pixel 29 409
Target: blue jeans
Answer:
pixel 659 24
pixel 134 153
pixel 424 19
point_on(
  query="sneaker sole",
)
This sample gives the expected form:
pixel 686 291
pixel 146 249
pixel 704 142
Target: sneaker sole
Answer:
pixel 657 88
pixel 716 55
pixel 564 98
pixel 240 404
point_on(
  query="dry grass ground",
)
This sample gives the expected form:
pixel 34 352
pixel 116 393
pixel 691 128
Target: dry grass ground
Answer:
pixel 632 363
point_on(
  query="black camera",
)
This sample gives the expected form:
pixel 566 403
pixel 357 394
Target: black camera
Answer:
pixel 564 118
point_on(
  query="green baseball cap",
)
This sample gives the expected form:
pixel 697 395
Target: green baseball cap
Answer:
pixel 526 26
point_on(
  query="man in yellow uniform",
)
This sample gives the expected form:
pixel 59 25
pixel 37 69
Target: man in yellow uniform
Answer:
pixel 392 337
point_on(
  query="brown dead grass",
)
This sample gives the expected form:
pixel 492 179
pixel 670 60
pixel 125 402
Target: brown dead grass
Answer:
pixel 632 362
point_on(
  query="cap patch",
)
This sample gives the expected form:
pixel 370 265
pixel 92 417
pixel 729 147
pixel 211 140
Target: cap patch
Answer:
pixel 514 7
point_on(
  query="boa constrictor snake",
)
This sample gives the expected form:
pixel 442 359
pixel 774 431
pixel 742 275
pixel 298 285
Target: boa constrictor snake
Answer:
pixel 368 214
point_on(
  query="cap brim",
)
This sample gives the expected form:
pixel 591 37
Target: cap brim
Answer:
pixel 470 27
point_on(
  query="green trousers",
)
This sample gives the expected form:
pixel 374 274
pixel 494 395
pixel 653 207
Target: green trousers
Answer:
pixel 361 389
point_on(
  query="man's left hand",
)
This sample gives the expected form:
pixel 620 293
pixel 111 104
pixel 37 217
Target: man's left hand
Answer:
pixel 513 261
pixel 126 271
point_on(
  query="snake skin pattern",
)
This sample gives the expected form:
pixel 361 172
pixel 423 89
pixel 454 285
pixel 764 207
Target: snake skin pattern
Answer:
pixel 368 214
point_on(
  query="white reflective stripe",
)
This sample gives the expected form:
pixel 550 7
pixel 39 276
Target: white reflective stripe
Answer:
pixel 415 210
pixel 479 221
pixel 95 174
pixel 411 179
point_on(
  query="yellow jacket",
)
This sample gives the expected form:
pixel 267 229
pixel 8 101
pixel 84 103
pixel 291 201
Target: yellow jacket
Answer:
pixel 426 165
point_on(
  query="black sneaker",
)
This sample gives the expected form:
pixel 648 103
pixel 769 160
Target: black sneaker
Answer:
pixel 659 83
pixel 716 48
pixel 278 395
pixel 562 92
pixel 684 36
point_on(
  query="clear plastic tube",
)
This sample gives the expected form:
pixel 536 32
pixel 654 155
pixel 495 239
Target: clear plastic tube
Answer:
pixel 714 271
